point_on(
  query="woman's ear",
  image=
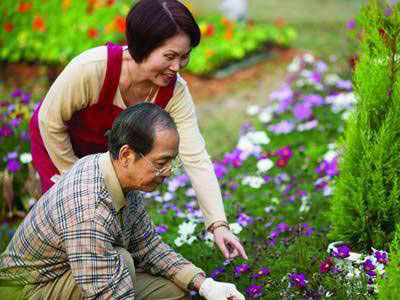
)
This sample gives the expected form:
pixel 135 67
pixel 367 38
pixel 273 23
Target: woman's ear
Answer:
pixel 126 156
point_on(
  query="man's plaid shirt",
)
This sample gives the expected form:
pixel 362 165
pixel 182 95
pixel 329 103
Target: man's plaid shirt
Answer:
pixel 76 225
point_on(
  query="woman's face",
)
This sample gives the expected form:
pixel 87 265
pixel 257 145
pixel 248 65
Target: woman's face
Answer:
pixel 165 61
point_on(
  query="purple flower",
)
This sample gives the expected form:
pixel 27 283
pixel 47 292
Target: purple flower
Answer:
pixel 10 232
pixel 214 274
pixel 241 269
pixel 254 290
pixel 24 136
pixel 307 230
pixel 326 265
pixel 302 111
pixel 381 257
pixel 220 170
pixel 388 11
pixel 285 152
pixel 313 100
pixel 17 93
pixel 298 280
pixel 13 165
pixel 161 229
pixel 26 98
pixel 351 24
pixel 342 252
pixel 15 122
pixel 261 273
pixel 315 77
pixel 234 159
pixel 321 168
pixel 282 226
pixel 332 167
pixel 281 127
pixel 369 268
pixel 267 178
pixel 273 234
pixel 244 219
pixel 6 131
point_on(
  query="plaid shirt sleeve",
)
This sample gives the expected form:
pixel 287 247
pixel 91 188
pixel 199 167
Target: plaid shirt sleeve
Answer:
pixel 97 268
pixel 154 256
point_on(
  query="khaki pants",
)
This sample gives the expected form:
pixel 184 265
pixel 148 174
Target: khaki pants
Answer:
pixel 146 286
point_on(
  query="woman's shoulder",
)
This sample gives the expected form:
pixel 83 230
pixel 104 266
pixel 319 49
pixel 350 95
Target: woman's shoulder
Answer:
pixel 92 56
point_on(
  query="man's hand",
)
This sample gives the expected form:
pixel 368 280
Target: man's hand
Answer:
pixel 223 236
pixel 214 290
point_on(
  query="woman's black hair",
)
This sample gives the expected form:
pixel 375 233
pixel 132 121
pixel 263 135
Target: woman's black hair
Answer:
pixel 150 22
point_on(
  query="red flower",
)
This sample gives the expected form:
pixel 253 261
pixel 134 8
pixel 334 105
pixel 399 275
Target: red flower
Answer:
pixel 280 22
pixel 92 33
pixel 24 7
pixel 110 2
pixel 38 24
pixel 8 26
pixel 210 30
pixel 281 163
pixel 120 24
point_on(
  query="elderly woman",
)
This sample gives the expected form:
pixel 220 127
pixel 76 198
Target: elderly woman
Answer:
pixel 97 85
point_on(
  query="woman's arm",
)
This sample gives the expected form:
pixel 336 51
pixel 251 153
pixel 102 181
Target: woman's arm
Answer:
pixel 193 153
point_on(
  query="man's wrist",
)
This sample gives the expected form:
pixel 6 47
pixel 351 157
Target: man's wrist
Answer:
pixel 197 281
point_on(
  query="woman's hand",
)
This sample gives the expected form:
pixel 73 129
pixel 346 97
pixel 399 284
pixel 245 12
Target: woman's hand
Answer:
pixel 223 237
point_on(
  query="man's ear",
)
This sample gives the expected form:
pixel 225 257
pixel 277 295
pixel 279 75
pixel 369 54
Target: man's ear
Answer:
pixel 126 155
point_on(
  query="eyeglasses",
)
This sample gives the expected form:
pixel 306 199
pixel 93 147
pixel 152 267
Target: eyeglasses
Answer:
pixel 174 165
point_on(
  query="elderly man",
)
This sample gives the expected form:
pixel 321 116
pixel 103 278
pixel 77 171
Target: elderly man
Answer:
pixel 90 237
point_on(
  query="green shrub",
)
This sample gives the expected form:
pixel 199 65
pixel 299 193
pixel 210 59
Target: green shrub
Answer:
pixel 365 206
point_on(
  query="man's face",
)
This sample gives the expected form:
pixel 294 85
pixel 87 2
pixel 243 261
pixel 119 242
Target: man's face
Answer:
pixel 142 171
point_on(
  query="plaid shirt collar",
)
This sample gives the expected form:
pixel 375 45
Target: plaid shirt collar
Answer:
pixel 111 181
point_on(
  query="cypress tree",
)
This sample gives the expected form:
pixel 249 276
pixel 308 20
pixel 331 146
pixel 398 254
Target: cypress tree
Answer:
pixel 388 285
pixel 365 207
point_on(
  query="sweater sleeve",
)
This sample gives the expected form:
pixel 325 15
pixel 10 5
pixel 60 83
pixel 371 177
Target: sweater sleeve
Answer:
pixel 194 155
pixel 78 86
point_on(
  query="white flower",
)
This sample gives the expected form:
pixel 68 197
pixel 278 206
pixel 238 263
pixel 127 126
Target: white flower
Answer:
pixel 308 58
pixel 252 110
pixel 190 192
pixel 186 228
pixel 265 116
pixel 179 241
pixel 258 137
pixel 253 181
pixel 331 79
pixel 247 146
pixel 275 200
pixel 330 155
pixel 158 198
pixel 235 228
pixel 209 239
pixel 305 205
pixel 191 239
pixel 331 146
pixel 346 115
pixel 168 196
pixel 294 65
pixel 25 158
pixel 264 165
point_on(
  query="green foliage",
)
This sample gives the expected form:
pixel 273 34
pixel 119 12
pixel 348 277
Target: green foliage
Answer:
pixel 58 30
pixel 366 206
pixel 388 286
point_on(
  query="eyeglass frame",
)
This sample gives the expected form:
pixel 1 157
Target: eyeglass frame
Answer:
pixel 166 169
